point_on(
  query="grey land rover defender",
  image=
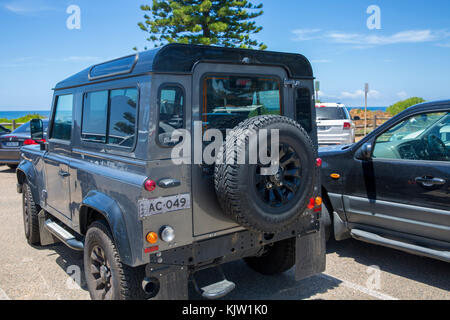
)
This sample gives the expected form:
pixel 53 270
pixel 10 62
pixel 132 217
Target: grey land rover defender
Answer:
pixel 108 182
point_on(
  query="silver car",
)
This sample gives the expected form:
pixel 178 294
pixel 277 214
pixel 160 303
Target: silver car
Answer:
pixel 334 124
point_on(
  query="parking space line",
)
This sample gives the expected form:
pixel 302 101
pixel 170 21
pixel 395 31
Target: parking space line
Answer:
pixel 3 295
pixel 358 287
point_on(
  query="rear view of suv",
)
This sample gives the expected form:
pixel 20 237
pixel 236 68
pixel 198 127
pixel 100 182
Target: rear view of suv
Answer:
pixel 334 124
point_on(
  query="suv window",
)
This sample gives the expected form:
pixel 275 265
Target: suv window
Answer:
pixel 420 137
pixel 62 120
pixel 229 100
pixel 95 113
pixel 331 113
pixel 171 113
pixel 303 108
pixel 109 116
pixel 122 118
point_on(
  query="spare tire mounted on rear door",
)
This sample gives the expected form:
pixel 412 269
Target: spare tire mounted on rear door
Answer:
pixel 267 203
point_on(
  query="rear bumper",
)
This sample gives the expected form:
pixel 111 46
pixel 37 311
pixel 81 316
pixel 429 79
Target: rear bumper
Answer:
pixel 9 156
pixel 330 139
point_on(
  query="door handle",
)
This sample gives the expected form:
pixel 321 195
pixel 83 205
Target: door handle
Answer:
pixel 63 173
pixel 429 181
pixel 169 183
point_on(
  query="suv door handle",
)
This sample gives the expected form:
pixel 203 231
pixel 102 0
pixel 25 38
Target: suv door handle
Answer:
pixel 429 181
pixel 63 173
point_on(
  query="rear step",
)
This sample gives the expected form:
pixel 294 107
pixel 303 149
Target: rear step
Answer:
pixel 215 290
pixel 218 290
pixel 395 244
pixel 62 234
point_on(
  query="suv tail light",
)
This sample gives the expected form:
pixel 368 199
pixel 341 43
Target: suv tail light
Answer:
pixel 347 125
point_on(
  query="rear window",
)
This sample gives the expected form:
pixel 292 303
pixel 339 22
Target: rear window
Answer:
pixel 25 128
pixel 229 100
pixel 330 113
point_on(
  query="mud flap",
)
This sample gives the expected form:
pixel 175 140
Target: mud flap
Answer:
pixel 310 255
pixel 172 282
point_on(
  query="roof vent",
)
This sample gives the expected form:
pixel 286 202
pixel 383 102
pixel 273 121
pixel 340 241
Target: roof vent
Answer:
pixel 114 67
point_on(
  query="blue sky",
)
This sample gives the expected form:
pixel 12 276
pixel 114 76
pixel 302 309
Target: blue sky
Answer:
pixel 408 56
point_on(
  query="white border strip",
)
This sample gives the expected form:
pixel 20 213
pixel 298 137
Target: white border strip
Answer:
pixel 358 287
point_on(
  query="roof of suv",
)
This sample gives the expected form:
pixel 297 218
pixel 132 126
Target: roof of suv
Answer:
pixel 181 58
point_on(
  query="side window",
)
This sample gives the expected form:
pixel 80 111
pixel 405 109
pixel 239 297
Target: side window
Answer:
pixel 95 113
pixel 122 119
pixel 62 120
pixel 109 116
pixel 420 137
pixel 171 113
pixel 303 105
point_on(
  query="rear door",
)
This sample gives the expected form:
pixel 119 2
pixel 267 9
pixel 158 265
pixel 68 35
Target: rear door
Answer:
pixel 406 186
pixel 225 95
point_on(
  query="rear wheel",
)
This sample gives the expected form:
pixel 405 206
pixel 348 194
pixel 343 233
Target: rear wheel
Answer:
pixel 30 215
pixel 106 276
pixel 277 258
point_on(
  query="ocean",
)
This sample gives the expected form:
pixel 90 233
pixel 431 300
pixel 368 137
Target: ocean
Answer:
pixel 10 115
pixel 369 108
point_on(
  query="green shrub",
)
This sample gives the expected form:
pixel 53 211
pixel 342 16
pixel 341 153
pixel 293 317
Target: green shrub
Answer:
pixel 404 104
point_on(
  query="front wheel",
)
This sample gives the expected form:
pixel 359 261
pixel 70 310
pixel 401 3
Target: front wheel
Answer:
pixel 278 257
pixel 106 276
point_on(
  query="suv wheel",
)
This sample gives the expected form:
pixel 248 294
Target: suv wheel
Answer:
pixel 278 257
pixel 267 203
pixel 106 276
pixel 30 215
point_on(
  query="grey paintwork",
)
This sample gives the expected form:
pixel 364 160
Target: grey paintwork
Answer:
pixel 72 177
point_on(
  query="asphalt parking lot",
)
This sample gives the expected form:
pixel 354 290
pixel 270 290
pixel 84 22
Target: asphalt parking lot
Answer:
pixel 355 270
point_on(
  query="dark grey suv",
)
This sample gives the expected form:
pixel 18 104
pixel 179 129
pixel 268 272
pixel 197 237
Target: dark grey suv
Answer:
pixel 393 187
pixel 122 178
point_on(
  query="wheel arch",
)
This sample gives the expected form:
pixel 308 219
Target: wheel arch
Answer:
pixel 26 172
pixel 98 206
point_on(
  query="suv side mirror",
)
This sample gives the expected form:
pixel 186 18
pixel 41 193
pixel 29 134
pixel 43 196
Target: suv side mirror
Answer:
pixel 365 152
pixel 356 118
pixel 37 129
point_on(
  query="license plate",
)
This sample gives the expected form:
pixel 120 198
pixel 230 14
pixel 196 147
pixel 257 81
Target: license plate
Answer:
pixel 150 207
pixel 323 128
pixel 12 144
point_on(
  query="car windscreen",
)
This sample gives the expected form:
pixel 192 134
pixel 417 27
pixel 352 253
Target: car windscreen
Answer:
pixel 229 100
pixel 330 113
pixel 25 128
pixel 3 130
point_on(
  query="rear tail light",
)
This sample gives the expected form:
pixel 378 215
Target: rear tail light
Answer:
pixel 347 125
pixel 311 203
pixel 28 142
pixel 149 185
pixel 319 162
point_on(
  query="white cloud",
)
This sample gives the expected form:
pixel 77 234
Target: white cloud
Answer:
pixel 409 36
pixel 359 94
pixel 321 61
pixel 75 59
pixel 402 95
pixel 305 34
pixel 27 7
pixel 362 41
